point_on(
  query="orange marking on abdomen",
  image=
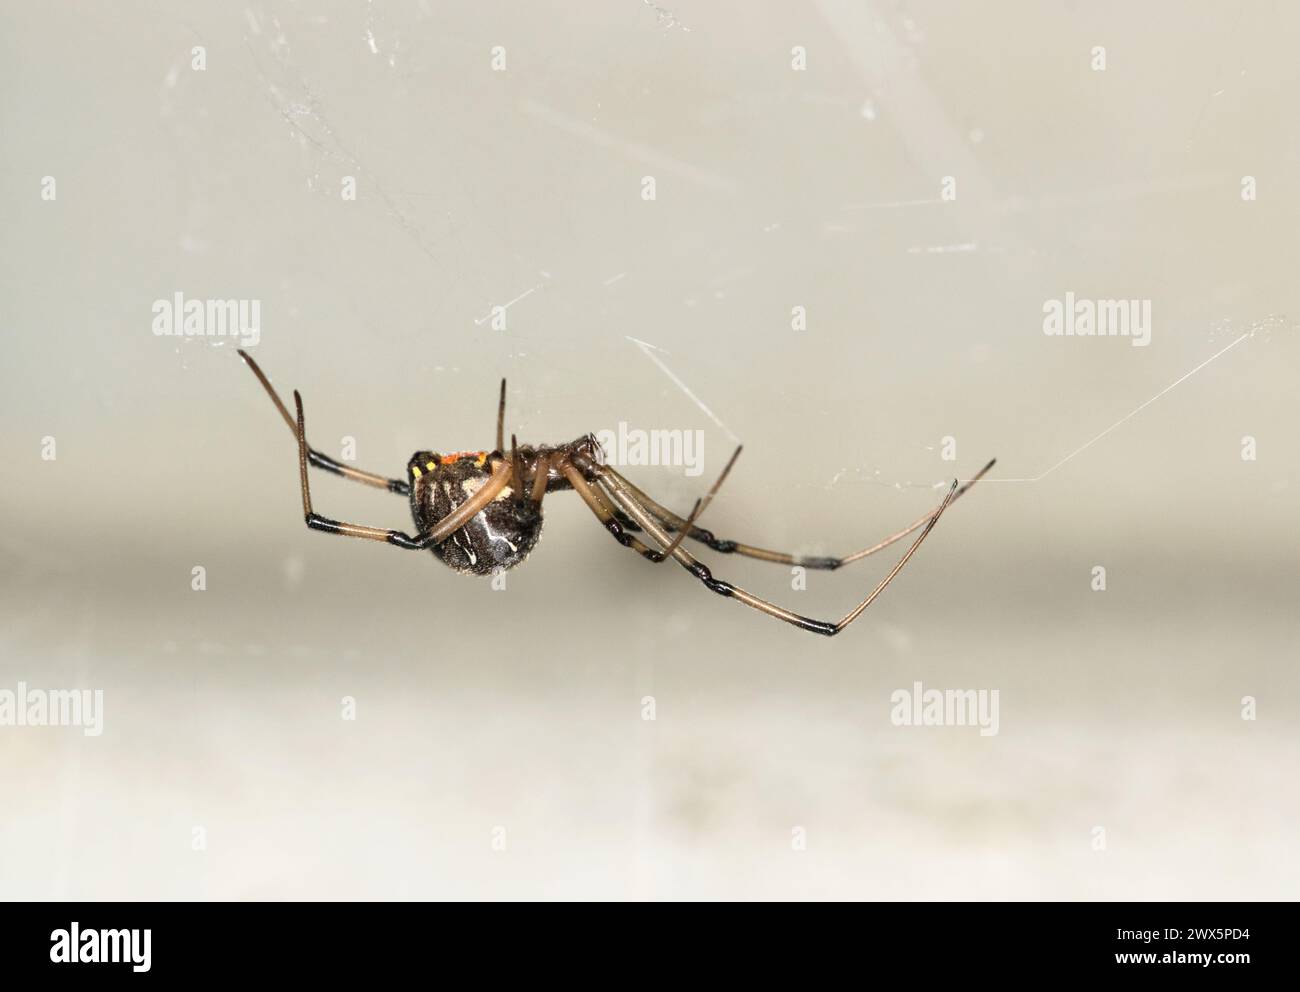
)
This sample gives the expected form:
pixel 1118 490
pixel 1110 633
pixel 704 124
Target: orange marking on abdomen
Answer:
pixel 478 456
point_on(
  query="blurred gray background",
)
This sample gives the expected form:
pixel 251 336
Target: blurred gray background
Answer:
pixel 516 715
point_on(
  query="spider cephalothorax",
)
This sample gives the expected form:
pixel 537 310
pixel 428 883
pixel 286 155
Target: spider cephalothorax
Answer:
pixel 481 511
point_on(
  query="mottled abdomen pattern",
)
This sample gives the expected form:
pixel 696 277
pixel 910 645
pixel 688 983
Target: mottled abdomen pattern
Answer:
pixel 499 536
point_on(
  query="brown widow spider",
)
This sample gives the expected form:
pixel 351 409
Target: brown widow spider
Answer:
pixel 480 511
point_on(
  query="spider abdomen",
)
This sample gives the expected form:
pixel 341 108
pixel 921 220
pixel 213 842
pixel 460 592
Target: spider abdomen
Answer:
pixel 499 536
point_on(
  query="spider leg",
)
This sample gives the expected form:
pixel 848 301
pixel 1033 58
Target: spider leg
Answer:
pixel 672 522
pixel 439 532
pixel 540 476
pixel 316 458
pixel 501 419
pixel 688 524
pixel 631 525
pixel 628 502
pixel 606 516
pixel 626 522
pixel 516 476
